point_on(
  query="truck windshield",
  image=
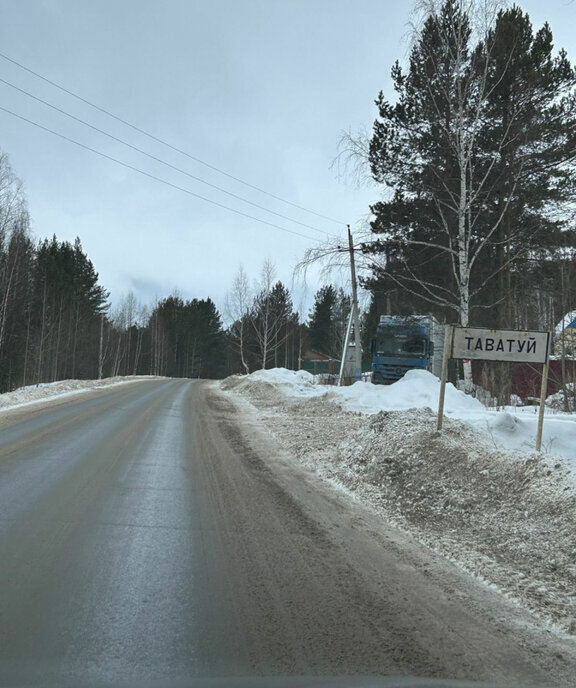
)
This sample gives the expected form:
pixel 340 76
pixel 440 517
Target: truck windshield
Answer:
pixel 401 345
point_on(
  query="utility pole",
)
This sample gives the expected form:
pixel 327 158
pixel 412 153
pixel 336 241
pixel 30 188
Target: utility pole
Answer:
pixel 354 321
pixel 355 311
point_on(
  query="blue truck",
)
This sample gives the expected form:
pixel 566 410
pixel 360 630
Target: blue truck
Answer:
pixel 403 343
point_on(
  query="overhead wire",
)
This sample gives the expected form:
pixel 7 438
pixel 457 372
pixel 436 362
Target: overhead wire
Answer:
pixel 155 177
pixel 167 144
pixel 157 159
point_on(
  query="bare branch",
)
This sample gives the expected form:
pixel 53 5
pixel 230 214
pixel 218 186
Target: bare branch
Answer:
pixel 353 158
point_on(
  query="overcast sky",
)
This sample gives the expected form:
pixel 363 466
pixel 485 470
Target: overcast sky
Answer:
pixel 261 89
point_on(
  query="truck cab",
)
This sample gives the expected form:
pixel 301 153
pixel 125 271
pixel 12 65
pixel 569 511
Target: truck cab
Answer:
pixel 404 343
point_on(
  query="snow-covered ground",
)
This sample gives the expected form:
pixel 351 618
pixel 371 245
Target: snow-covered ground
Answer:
pixel 477 492
pixel 51 390
pixel 510 427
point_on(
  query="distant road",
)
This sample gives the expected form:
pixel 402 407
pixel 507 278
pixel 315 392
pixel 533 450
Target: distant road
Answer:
pixel 153 532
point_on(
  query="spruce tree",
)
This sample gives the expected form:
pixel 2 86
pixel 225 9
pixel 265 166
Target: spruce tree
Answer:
pixel 320 321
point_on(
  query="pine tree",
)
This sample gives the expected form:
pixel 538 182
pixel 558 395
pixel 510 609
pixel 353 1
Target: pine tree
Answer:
pixel 477 151
pixel 532 137
pixel 67 304
pixel 208 339
pixel 187 338
pixel 340 316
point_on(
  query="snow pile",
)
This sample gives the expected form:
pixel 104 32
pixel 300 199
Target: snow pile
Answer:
pixel 276 383
pixel 563 399
pixel 417 389
pixel 506 516
pixel 49 390
pixel 512 427
pixel 515 428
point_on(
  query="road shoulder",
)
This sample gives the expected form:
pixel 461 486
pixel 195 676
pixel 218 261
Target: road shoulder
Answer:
pixel 345 513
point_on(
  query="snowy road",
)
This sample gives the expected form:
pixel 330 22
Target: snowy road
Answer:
pixel 154 532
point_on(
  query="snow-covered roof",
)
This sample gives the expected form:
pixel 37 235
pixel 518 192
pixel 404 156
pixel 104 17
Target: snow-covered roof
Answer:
pixel 569 320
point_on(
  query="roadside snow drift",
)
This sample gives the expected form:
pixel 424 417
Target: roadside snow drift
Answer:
pixel 51 390
pixel 512 427
pixel 417 389
pixel 505 516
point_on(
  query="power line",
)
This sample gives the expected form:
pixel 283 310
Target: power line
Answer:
pixel 168 145
pixel 152 176
pixel 153 157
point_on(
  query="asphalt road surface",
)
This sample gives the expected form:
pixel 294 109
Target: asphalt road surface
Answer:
pixel 152 532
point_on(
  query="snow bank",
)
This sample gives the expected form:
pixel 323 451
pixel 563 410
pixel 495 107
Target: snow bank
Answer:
pixel 563 398
pixel 276 383
pixel 50 390
pixel 506 516
pixel 511 428
pixel 417 389
pixel 295 383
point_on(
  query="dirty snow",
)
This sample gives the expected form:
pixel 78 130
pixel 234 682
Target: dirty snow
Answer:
pixel 510 427
pixel 477 493
pixel 50 390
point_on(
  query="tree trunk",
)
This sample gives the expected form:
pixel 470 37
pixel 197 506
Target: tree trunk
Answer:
pixel 242 355
pixel 101 349
pixel 464 267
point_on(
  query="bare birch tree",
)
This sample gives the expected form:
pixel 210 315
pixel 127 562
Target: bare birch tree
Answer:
pixel 454 168
pixel 271 317
pixel 261 318
pixel 237 309
pixel 14 223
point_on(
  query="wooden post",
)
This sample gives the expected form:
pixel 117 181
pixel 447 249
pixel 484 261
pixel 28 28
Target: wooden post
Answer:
pixel 345 352
pixel 355 314
pixel 448 336
pixel 543 391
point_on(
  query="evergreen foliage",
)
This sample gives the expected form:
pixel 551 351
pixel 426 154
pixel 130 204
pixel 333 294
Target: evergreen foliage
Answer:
pixel 328 320
pixel 320 322
pixel 55 322
pixel 273 323
pixel 478 154
pixel 66 305
pixel 188 340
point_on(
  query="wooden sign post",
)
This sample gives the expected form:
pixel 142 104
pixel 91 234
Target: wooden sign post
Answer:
pixel 518 346
pixel 543 390
pixel 448 336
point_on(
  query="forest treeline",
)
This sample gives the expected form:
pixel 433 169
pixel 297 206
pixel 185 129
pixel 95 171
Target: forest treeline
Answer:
pixel 474 162
pixel 56 321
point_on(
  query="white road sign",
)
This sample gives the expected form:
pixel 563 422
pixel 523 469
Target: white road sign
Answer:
pixel 501 345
